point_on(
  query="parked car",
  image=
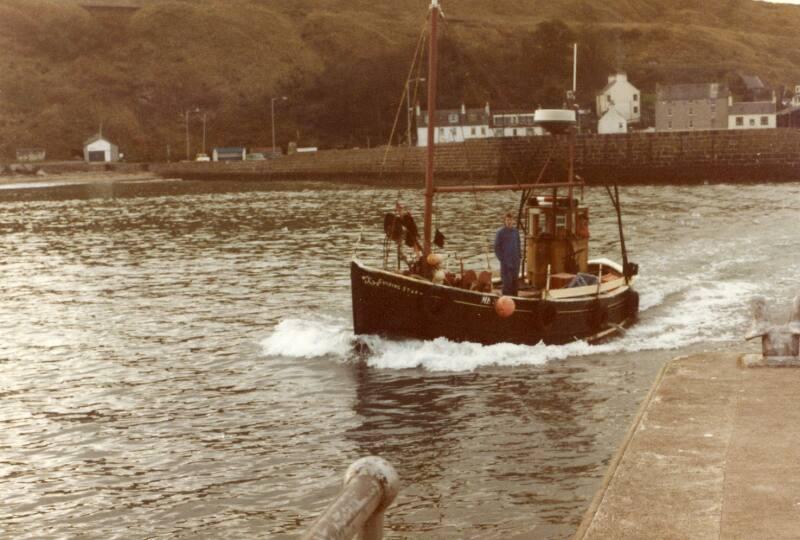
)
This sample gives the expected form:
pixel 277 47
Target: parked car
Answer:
pixel 256 156
pixel 202 157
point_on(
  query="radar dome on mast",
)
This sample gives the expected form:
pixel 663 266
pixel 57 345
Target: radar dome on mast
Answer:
pixel 554 120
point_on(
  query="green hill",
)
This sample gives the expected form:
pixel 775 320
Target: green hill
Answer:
pixel 67 71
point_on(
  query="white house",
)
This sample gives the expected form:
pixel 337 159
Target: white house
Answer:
pixel 752 114
pixel 515 124
pixel 99 149
pixel 454 125
pixel 620 94
pixel 612 122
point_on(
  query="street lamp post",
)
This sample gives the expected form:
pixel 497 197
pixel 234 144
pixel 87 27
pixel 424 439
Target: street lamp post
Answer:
pixel 186 114
pixel 272 115
pixel 408 108
pixel 204 132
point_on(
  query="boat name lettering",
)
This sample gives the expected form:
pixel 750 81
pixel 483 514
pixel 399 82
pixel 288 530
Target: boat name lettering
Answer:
pixel 486 300
pixel 373 282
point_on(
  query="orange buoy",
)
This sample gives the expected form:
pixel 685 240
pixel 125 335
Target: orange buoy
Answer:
pixel 505 306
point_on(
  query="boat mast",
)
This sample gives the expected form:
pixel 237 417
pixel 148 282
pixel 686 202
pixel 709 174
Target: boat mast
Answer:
pixel 428 223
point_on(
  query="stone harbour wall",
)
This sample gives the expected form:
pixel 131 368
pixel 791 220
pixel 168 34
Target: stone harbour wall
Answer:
pixel 680 157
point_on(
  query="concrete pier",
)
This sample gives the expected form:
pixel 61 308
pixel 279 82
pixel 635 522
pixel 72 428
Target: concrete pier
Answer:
pixel 713 453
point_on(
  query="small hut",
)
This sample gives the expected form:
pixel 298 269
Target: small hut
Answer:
pixel 99 149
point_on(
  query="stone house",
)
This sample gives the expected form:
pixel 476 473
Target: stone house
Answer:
pixel 621 95
pixel 454 125
pixel 687 107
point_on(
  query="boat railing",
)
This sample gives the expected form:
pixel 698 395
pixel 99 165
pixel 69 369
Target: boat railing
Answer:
pixel 370 486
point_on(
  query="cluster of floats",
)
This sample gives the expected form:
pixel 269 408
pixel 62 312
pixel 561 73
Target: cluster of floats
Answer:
pixel 563 294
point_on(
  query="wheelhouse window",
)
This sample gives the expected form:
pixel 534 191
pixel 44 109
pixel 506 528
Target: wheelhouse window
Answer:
pixel 740 120
pixel 764 121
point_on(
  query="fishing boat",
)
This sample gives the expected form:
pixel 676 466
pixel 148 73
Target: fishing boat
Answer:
pixel 563 295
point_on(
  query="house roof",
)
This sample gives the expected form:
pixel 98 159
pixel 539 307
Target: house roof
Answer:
pixel 473 117
pixel 616 81
pixel 683 92
pixel 613 113
pixel 752 107
pixel 110 4
pixel 752 82
pixel 94 138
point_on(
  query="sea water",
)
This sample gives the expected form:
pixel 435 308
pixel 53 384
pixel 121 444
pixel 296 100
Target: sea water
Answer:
pixel 179 362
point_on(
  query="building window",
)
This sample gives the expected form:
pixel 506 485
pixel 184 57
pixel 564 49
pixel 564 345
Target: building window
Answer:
pixel 514 132
pixel 453 118
pixel 441 132
pixel 669 124
pixel 621 127
pixel 752 122
pixel 498 132
pixel 472 131
pixel 561 222
pixel 713 122
pixel 739 120
pixel 453 132
pixel 635 98
pixel 635 110
pixel 529 132
pixel 691 111
pixel 483 131
pixel 691 123
pixel 669 111
pixel 764 121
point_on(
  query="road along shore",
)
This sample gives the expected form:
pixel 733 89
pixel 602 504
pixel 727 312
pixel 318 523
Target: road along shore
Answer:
pixel 713 453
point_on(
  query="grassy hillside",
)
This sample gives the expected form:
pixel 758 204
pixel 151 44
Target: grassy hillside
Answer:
pixel 342 63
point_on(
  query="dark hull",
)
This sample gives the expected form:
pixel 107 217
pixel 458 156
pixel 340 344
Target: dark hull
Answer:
pixel 397 306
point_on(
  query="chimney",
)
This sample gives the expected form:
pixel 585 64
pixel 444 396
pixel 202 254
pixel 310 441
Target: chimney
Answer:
pixel 417 109
pixel 486 108
pixel 730 100
pixel 463 109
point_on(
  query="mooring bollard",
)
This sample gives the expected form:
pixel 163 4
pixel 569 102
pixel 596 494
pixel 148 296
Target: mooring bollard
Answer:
pixel 370 486
pixel 780 344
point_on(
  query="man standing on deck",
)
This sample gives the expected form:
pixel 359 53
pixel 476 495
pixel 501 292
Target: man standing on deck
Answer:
pixel 507 250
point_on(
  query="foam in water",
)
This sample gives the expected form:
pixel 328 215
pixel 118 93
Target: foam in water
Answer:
pixel 300 338
pixel 675 313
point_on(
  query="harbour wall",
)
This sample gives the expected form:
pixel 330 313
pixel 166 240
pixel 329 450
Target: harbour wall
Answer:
pixel 635 158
